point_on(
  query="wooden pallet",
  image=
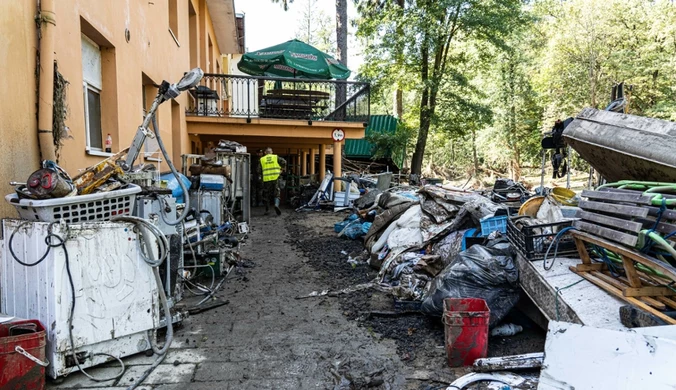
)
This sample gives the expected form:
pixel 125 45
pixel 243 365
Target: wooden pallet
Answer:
pixel 620 215
pixel 635 287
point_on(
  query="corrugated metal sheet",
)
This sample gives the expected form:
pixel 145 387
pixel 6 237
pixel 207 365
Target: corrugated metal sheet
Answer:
pixel 361 148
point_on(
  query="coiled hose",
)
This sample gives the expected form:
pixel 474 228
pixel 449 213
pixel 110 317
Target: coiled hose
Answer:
pixel 186 196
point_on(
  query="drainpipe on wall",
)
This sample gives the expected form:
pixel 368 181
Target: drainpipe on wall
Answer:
pixel 46 89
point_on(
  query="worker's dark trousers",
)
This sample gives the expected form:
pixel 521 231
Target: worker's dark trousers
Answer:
pixel 271 192
pixel 256 192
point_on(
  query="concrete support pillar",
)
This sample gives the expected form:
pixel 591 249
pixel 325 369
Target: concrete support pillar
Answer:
pixel 303 162
pixel 312 161
pixel 298 163
pixel 322 161
pixel 337 164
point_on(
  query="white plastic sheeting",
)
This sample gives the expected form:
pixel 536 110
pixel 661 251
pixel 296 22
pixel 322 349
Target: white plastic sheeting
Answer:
pixel 410 219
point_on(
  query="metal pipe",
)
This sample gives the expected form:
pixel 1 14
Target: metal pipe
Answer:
pixel 46 89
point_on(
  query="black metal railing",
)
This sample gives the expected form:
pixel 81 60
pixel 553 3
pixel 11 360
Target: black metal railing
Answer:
pixel 280 98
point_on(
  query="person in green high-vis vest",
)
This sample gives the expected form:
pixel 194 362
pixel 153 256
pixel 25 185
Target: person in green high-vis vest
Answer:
pixel 272 166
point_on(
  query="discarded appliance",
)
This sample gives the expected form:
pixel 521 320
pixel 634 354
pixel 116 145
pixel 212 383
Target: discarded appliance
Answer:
pixel 582 357
pixel 88 269
pixel 226 199
pixel 115 291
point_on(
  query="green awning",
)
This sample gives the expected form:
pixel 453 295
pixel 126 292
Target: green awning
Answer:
pixel 363 149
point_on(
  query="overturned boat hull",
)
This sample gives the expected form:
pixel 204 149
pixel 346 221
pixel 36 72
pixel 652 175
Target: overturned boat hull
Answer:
pixel 625 147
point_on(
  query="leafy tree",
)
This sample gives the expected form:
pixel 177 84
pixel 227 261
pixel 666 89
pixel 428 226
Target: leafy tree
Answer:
pixel 425 32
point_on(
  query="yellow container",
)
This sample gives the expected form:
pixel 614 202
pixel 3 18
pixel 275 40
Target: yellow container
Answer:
pixel 564 196
pixel 531 206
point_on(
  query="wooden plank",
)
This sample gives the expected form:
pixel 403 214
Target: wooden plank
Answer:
pixel 618 209
pixel 668 214
pixel 636 198
pixel 667 301
pixel 591 267
pixel 632 276
pixel 622 238
pixel 610 221
pixel 621 286
pixel 649 288
pixel 662 227
pixel 582 251
pixel 666 269
pixel 617 293
pixel 647 291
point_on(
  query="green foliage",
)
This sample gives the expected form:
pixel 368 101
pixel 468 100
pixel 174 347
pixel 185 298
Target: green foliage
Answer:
pixel 429 43
pixel 391 144
pixel 487 78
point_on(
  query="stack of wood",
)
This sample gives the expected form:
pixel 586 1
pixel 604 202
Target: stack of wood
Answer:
pixel 619 215
pixel 611 221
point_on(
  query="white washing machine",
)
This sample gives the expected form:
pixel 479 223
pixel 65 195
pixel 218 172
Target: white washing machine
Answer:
pixel 116 300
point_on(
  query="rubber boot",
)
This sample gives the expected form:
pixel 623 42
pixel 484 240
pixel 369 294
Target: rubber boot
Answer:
pixel 277 210
pixel 267 209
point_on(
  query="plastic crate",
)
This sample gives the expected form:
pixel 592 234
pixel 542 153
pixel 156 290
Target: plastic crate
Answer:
pixel 80 208
pixel 533 241
pixel 491 224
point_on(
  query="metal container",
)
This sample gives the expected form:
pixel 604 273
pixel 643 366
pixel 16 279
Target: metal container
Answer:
pixel 22 346
pixel 116 294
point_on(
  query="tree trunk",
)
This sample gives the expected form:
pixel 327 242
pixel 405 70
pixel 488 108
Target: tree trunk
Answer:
pixel 474 155
pixel 341 31
pixel 341 49
pixel 398 103
pixel 425 117
pixel 398 94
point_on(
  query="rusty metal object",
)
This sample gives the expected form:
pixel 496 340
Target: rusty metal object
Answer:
pixel 196 170
pixel 96 175
pixel 47 183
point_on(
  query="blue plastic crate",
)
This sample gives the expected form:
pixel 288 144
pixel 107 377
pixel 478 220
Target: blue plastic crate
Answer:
pixel 491 224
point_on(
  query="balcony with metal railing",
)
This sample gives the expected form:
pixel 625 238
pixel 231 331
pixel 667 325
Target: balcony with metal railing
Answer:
pixel 249 97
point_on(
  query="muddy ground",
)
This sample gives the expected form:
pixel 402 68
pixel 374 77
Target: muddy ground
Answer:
pixel 419 338
pixel 264 337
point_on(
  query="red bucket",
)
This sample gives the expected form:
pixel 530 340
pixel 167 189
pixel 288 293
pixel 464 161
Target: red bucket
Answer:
pixel 466 330
pixel 21 343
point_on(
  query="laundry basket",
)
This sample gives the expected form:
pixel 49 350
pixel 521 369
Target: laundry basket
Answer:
pixel 76 209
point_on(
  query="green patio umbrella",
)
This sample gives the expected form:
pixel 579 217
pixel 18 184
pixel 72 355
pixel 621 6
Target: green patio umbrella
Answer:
pixel 293 59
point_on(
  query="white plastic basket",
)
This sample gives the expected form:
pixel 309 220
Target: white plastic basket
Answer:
pixel 81 208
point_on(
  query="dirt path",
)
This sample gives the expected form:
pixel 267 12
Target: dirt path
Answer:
pixel 265 338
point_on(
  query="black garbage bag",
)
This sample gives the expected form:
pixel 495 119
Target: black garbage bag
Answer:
pixel 486 272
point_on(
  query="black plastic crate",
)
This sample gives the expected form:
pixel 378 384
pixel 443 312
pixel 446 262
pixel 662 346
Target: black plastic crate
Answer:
pixel 532 243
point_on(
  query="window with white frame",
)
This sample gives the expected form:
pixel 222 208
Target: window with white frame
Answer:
pixel 92 86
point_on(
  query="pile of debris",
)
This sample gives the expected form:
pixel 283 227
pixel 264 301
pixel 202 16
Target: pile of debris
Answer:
pixel 436 243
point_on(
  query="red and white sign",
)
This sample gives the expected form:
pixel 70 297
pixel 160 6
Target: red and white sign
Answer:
pixel 338 135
